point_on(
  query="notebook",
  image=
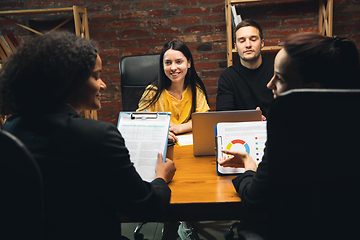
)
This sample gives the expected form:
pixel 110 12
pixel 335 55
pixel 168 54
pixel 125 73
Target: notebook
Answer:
pixel 203 127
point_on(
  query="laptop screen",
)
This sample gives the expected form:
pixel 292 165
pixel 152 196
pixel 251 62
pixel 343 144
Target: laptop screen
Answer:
pixel 203 127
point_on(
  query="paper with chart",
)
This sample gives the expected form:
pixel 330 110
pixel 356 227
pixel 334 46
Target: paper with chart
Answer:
pixel 145 134
pixel 248 137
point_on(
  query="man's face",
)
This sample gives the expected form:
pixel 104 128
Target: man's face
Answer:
pixel 248 44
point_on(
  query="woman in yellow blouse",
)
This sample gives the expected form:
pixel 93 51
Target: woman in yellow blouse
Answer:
pixel 178 89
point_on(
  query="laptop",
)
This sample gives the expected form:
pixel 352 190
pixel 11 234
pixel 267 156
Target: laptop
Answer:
pixel 203 127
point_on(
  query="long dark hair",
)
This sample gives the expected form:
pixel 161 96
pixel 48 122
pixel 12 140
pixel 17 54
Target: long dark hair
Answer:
pixel 163 82
pixel 331 61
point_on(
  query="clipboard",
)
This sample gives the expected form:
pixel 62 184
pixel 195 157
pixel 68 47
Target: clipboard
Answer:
pixel 146 134
pixel 248 137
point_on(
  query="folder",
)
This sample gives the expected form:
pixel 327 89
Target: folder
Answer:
pixel 5 46
pixel 13 39
pixel 9 42
pixel 2 53
pixel 235 17
pixel 248 137
pixel 146 134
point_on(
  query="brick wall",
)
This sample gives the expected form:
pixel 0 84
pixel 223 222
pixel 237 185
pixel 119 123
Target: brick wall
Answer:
pixel 141 26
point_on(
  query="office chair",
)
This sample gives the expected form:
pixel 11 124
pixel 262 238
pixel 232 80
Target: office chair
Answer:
pixel 313 165
pixel 21 189
pixel 136 72
pixel 242 234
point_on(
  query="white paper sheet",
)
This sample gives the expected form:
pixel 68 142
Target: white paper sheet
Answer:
pixel 184 140
pixel 145 138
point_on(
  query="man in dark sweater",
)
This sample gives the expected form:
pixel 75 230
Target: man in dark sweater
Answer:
pixel 243 86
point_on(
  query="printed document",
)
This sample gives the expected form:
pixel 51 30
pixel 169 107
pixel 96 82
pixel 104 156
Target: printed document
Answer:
pixel 145 134
pixel 247 137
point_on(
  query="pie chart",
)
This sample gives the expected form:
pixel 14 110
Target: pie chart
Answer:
pixel 238 141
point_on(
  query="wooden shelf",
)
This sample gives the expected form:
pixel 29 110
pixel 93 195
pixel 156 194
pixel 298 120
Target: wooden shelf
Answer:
pixel 325 23
pixel 80 21
pixel 36 11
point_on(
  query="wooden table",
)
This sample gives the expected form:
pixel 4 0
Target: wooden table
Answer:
pixel 198 193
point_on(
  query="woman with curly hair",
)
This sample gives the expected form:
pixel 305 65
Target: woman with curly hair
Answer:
pixel 89 180
pixel 178 89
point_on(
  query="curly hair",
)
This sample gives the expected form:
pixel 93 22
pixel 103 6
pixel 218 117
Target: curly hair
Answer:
pixel 44 71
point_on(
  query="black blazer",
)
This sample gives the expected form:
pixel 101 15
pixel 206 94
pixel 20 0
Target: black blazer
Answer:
pixel 89 180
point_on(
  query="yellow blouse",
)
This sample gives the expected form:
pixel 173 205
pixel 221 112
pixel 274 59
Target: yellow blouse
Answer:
pixel 180 109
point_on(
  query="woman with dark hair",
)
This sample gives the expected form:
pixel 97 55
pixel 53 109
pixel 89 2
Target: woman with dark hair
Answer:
pixel 177 89
pixel 308 60
pixel 89 180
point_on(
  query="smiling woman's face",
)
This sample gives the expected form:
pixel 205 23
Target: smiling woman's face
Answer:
pixel 286 76
pixel 176 65
pixel 89 95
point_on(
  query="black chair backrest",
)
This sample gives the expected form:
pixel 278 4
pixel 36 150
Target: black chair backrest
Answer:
pixel 21 190
pixel 136 72
pixel 313 167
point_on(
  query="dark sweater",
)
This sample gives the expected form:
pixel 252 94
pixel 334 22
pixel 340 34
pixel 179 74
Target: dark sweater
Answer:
pixel 241 88
pixel 252 187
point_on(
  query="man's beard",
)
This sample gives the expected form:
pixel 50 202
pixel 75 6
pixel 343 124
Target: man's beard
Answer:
pixel 252 59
